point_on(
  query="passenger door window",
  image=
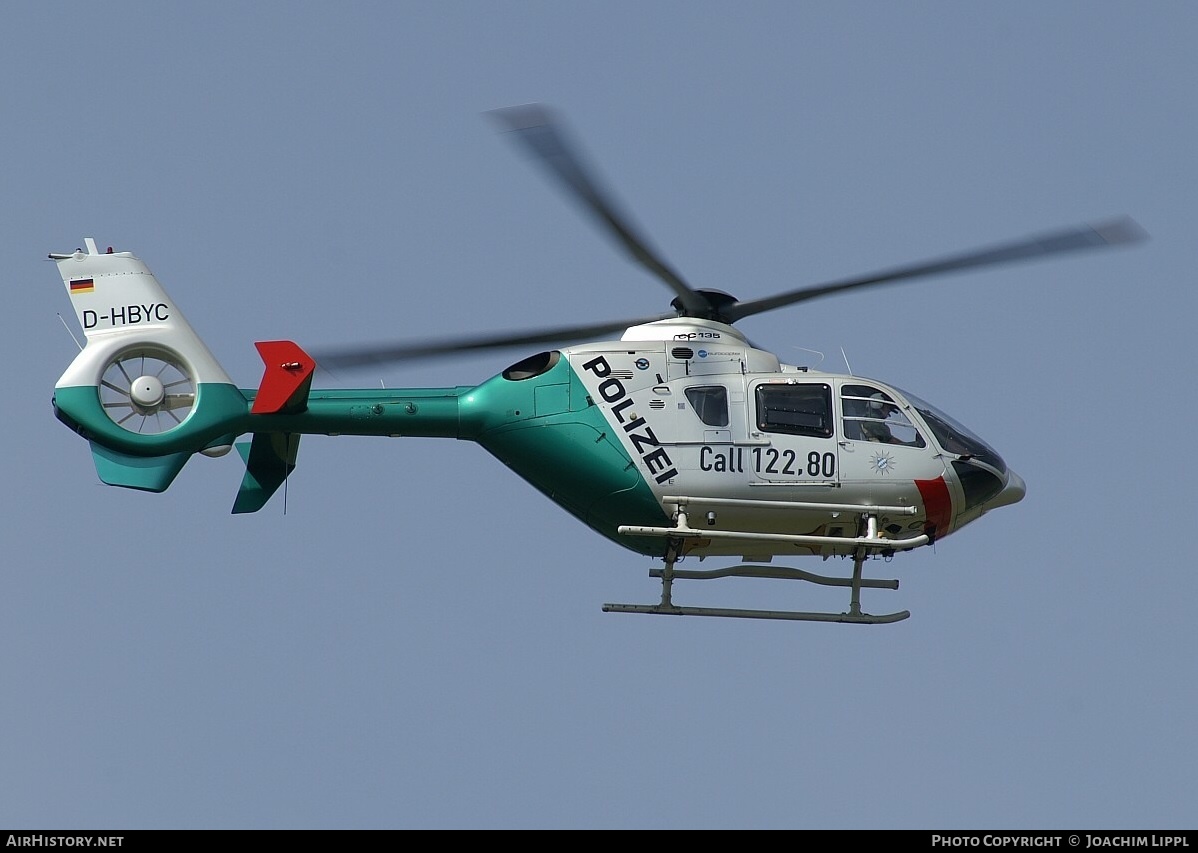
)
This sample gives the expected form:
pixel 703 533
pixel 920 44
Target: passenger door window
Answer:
pixel 795 409
pixel 794 423
pixel 710 403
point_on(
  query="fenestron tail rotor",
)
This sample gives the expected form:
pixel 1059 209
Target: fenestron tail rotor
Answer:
pixel 147 391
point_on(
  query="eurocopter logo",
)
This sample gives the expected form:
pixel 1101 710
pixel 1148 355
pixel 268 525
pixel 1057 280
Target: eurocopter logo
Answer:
pixel 652 454
pixel 642 364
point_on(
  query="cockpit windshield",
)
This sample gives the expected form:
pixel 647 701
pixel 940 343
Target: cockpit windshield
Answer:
pixel 955 438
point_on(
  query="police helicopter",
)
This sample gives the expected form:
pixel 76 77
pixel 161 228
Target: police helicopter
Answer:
pixel 678 438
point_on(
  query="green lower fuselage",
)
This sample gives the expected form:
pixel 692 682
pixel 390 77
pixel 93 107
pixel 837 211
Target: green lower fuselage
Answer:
pixel 545 428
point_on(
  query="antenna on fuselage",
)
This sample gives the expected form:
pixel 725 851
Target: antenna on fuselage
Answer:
pixel 69 332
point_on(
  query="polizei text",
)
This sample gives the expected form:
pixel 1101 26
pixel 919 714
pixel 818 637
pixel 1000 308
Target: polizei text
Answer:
pixel 612 390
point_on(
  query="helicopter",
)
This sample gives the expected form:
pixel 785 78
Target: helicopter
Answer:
pixel 680 438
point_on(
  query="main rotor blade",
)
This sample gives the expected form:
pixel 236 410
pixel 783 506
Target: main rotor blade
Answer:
pixel 543 137
pixel 367 355
pixel 1094 236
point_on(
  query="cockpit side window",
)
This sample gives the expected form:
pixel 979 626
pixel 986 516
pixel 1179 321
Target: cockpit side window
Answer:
pixel 870 414
pixel 795 409
pixel 710 403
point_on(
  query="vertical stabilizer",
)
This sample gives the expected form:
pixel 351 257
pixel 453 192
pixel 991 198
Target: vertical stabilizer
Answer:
pixel 119 303
pixel 145 391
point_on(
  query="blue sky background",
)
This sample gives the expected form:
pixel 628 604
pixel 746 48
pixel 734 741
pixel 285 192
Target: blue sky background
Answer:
pixel 419 642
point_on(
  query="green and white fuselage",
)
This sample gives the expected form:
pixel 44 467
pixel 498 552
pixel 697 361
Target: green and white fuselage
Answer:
pixel 767 458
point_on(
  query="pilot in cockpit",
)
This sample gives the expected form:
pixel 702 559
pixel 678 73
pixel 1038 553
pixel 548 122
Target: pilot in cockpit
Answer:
pixel 871 414
pixel 877 429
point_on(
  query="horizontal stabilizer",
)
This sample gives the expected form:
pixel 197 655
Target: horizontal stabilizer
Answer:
pixel 286 380
pixel 148 473
pixel 269 458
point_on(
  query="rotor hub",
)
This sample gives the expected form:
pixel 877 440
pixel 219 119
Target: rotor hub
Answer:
pixel 147 393
pixel 717 302
pixel 160 397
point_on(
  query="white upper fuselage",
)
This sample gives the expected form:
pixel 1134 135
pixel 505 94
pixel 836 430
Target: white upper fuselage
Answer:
pixel 704 414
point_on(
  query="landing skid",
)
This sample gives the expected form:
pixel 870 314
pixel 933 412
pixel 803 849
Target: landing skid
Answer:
pixel 669 574
pixel 864 546
pixel 793 615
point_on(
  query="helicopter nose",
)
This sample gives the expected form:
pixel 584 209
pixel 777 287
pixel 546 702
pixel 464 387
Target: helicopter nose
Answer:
pixel 1012 493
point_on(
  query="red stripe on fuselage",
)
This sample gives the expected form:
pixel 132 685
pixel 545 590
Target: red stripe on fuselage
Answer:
pixel 937 506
